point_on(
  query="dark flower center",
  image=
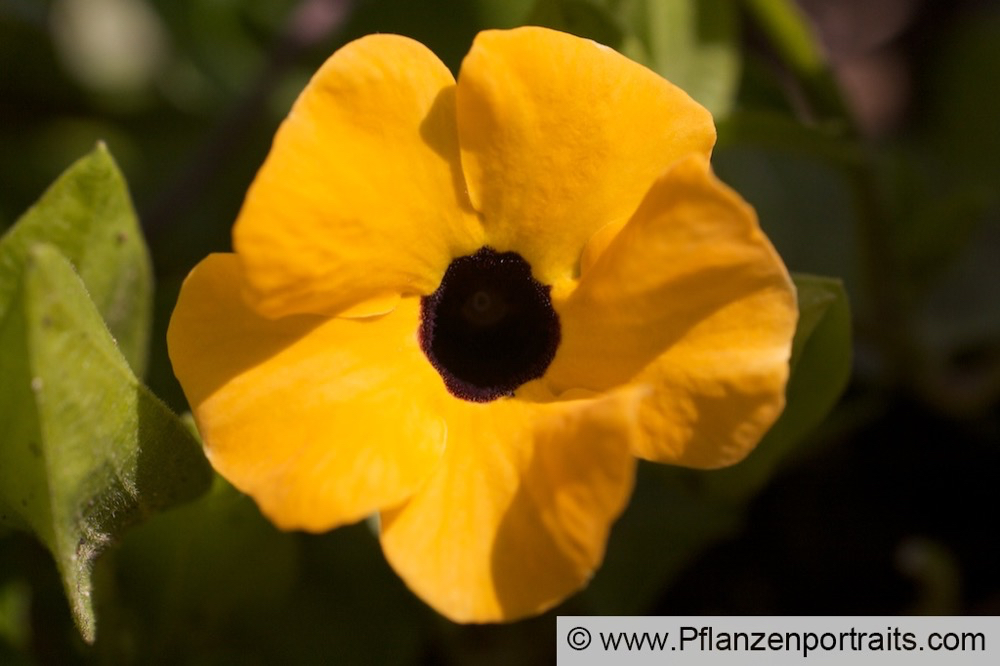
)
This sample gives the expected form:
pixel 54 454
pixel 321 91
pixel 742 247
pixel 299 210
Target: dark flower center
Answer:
pixel 489 327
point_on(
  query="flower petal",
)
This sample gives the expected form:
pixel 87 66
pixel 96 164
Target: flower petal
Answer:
pixel 691 299
pixel 561 136
pixel 322 421
pixel 362 194
pixel 517 515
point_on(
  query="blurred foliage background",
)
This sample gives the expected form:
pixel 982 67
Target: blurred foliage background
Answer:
pixel 867 138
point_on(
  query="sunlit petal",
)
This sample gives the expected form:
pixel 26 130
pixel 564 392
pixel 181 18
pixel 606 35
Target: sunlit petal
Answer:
pixel 321 420
pixel 561 136
pixel 691 299
pixel 362 194
pixel 517 515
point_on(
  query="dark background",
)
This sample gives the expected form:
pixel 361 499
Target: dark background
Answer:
pixel 890 506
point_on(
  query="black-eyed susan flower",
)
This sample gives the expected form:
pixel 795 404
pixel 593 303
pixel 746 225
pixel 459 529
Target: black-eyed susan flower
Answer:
pixel 469 307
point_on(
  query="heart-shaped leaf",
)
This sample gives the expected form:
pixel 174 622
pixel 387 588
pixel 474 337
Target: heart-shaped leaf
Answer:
pixel 85 449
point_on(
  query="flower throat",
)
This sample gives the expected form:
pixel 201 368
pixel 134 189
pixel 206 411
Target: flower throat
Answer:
pixel 489 327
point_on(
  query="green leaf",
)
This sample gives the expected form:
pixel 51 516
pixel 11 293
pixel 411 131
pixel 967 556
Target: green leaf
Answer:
pixel 85 449
pixel 818 299
pixel 692 43
pixel 790 34
pixel 87 214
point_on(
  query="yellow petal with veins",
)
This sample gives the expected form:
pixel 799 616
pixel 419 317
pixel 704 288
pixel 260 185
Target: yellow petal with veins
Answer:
pixel 517 515
pixel 322 421
pixel 362 195
pixel 690 299
pixel 561 136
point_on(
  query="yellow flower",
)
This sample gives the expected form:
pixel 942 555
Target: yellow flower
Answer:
pixel 470 306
